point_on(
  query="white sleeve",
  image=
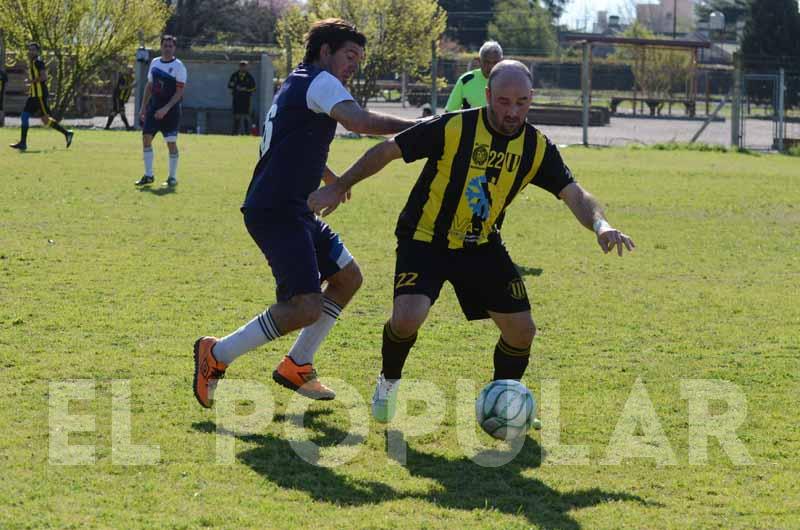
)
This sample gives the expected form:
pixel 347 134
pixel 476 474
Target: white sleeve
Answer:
pixel 325 92
pixel 150 70
pixel 180 75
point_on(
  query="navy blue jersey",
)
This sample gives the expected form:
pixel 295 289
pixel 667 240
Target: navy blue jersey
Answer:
pixel 297 135
pixel 165 77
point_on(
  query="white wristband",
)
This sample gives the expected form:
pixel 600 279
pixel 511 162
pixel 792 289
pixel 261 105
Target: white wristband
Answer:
pixel 601 225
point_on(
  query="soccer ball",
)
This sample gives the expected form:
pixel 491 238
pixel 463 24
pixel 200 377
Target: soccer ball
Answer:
pixel 505 409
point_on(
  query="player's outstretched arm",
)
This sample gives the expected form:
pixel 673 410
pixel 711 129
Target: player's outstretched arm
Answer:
pixel 326 199
pixel 362 121
pixel 590 214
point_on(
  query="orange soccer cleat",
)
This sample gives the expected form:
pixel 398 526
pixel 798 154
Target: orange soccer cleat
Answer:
pixel 302 379
pixel 207 371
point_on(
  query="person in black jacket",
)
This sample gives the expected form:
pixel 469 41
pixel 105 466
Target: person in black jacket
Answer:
pixel 121 95
pixel 242 86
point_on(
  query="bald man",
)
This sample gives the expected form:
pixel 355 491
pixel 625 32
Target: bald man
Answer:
pixel 478 161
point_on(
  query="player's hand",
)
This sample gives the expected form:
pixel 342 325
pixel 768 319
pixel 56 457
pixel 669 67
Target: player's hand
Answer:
pixel 160 113
pixel 610 238
pixel 332 178
pixel 325 200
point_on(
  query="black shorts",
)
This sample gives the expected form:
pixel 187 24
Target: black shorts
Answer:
pixel 241 104
pixel 484 277
pixel 37 105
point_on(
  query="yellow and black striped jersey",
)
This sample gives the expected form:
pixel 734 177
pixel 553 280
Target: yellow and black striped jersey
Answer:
pixel 38 87
pixel 122 91
pixel 471 176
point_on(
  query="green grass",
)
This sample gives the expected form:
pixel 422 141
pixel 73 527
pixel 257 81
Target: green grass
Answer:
pixel 100 281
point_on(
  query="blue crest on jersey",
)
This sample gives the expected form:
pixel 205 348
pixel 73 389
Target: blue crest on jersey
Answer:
pixel 477 198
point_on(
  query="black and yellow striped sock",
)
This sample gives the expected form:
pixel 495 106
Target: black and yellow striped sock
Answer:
pixel 57 126
pixel 394 352
pixel 510 362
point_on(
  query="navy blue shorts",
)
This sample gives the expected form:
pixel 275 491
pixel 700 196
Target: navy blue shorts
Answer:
pixel 301 250
pixel 168 126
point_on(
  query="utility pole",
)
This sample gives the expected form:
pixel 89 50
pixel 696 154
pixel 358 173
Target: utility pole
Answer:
pixel 674 19
pixel 586 88
pixel 434 75
pixel 2 67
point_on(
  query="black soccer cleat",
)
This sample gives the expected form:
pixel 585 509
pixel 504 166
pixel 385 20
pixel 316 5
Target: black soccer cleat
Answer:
pixel 19 146
pixel 69 136
pixel 146 180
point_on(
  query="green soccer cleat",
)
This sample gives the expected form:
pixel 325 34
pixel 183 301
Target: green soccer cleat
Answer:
pixel 384 400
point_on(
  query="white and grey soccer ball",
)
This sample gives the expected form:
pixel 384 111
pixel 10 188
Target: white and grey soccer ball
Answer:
pixel 505 409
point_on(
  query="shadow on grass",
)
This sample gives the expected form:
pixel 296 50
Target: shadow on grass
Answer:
pixel 463 484
pixel 161 190
pixel 528 271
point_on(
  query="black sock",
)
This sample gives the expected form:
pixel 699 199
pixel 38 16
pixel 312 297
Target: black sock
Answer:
pixel 394 352
pixel 110 119
pixel 57 126
pixel 124 120
pixel 510 362
pixel 23 139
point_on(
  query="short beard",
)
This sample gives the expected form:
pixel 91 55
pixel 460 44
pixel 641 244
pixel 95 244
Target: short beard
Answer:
pixel 497 123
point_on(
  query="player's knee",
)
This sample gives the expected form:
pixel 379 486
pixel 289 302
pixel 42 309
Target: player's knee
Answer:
pixel 350 277
pixel 407 321
pixel 306 309
pixel 521 334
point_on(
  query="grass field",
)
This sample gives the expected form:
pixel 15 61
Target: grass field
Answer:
pixel 105 283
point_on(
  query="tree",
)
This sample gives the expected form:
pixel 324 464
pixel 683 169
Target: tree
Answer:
pixel 226 21
pixel 290 29
pixel 771 42
pixel 79 36
pixel 734 10
pixel 399 34
pixel 523 25
pixel 555 8
pixel 772 29
pixel 658 72
pixel 201 21
pixel 468 20
pixel 256 23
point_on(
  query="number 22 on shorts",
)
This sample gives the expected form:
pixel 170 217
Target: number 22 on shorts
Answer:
pixel 406 279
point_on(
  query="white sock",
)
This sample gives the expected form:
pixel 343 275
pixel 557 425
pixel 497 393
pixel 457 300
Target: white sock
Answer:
pixel 173 165
pixel 311 337
pixel 148 161
pixel 255 333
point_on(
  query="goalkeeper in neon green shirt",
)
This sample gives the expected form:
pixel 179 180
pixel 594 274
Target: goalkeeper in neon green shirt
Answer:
pixel 470 89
